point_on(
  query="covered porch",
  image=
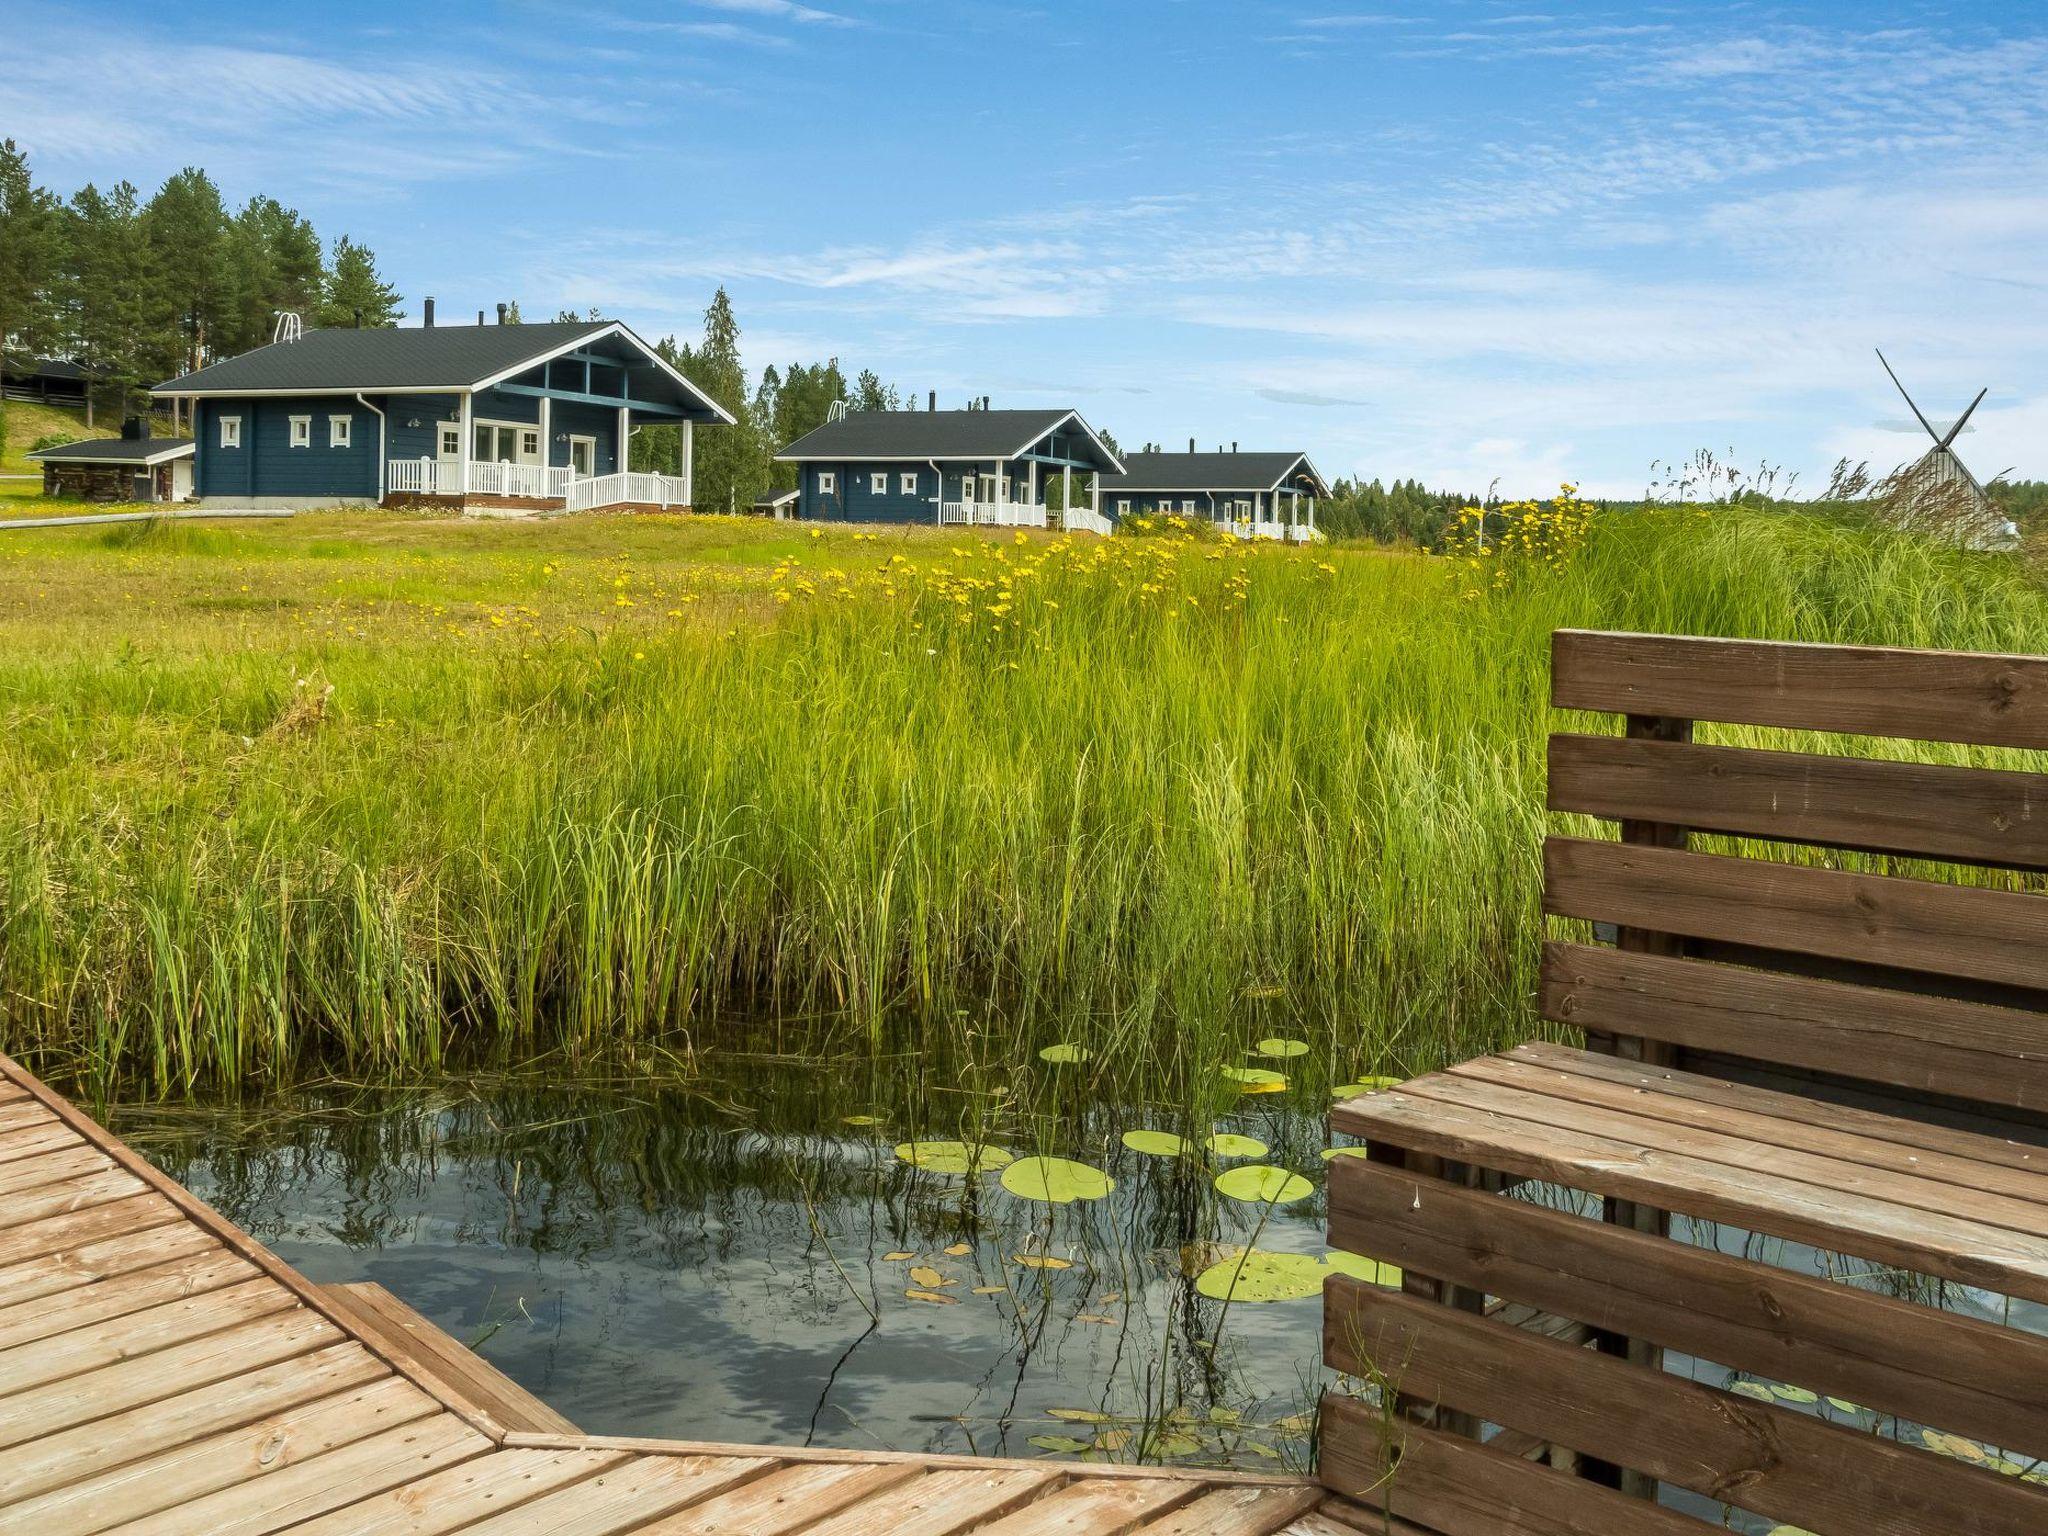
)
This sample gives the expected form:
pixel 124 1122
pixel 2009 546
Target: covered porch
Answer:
pixel 1015 492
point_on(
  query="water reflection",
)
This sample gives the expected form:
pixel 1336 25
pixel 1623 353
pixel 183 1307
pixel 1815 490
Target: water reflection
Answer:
pixel 729 1260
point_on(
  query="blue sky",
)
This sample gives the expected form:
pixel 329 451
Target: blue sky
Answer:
pixel 1465 240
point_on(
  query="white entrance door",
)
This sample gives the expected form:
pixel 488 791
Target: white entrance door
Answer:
pixel 448 457
pixel 582 457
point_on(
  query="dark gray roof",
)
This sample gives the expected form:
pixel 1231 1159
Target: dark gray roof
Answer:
pixel 20 367
pixel 117 450
pixel 902 435
pixel 380 359
pixel 774 498
pixel 1208 472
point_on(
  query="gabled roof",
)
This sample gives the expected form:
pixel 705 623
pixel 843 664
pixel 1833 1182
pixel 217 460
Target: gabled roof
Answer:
pixel 117 450
pixel 18 366
pixel 384 359
pixel 921 435
pixel 1211 472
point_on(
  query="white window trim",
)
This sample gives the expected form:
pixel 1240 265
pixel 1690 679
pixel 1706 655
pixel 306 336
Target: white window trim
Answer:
pixel 878 483
pixel 910 482
pixel 1123 505
pixel 588 442
pixel 828 482
pixel 1188 506
pixel 302 432
pixel 231 431
pixel 340 431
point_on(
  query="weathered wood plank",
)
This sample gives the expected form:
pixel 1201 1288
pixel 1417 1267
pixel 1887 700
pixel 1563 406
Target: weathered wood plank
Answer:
pixel 26 1115
pixel 300 1490
pixel 1984 816
pixel 1904 1039
pixel 166 1373
pixel 1988 700
pixel 1798 1147
pixel 2008 1262
pixel 65 1455
pixel 626 1497
pixel 90 1263
pixel 53 1137
pixel 54 1167
pixel 1235 1512
pixel 1775 1461
pixel 163 1483
pixel 1956 1373
pixel 212 1268
pixel 454 1374
pixel 1919 925
pixel 784 1501
pixel 74 1194
pixel 1095 1506
pixel 1459 1487
pixel 946 1502
pixel 463 1495
pixel 139 1334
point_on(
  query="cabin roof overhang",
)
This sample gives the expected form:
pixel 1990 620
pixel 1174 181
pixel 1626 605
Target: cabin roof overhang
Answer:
pixel 947 437
pixel 1196 474
pixel 131 451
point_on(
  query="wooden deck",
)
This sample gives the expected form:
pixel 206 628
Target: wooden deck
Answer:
pixel 161 1372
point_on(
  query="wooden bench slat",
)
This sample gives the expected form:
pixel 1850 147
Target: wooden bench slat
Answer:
pixel 1961 1186
pixel 1950 1371
pixel 66 1455
pixel 1943 930
pixel 1994 817
pixel 1457 1487
pixel 2000 1260
pixel 1985 700
pixel 1773 1460
pixel 1902 1039
pixel 463 1494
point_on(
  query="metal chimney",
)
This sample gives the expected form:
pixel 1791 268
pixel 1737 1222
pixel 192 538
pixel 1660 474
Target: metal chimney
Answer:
pixel 359 319
pixel 1191 445
pixel 479 317
pixel 501 314
pixel 427 312
pixel 931 400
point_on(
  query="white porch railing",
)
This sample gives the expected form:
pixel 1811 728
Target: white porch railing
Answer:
pixel 443 477
pixel 1244 528
pixel 638 488
pixel 993 514
pixel 1086 520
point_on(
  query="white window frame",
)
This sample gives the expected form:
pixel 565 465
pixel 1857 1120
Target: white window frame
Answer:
pixel 231 431
pixel 529 442
pixel 340 431
pixel 1188 506
pixel 828 482
pixel 910 482
pixel 878 482
pixel 302 432
pixel 589 447
pixel 1123 505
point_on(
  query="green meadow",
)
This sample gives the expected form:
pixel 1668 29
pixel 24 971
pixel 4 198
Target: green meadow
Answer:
pixel 386 797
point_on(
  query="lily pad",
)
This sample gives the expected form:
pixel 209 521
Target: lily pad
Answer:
pixel 1065 1054
pixel 1329 1154
pixel 1077 1415
pixel 1755 1389
pixel 1171 1442
pixel 940 1297
pixel 1155 1143
pixel 1229 1144
pixel 1276 1046
pixel 1255 1079
pixel 1257 1275
pixel 1066 1445
pixel 1263 1184
pixel 1363 1086
pixel 1042 1261
pixel 953 1157
pixel 1359 1267
pixel 860 1119
pixel 1786 1394
pixel 1056 1180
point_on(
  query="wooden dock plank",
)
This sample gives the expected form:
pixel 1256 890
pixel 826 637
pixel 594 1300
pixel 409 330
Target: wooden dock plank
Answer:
pixel 60 1456
pixel 632 1496
pixel 300 1490
pixel 53 1167
pixel 74 1229
pixel 74 1194
pixel 1236 1512
pixel 26 1115
pixel 38 1139
pixel 786 1500
pixel 175 1478
pixel 945 1502
pixel 212 1268
pixel 93 1263
pixel 463 1495
pixel 138 1335
pixel 1097 1507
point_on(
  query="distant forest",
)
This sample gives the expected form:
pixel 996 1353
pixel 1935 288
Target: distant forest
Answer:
pixel 142 289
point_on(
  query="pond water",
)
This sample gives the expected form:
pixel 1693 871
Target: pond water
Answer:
pixel 731 1259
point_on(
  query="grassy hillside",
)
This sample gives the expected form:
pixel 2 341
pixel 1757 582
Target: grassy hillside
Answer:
pixel 382 793
pixel 24 423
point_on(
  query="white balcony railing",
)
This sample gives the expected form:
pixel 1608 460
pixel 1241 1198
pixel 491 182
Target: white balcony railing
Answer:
pixel 992 514
pixel 1085 520
pixel 633 489
pixel 443 477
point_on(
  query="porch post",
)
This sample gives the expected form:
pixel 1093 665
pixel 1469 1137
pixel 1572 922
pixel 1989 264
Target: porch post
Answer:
pixel 625 431
pixel 689 464
pixel 1066 493
pixel 1095 493
pixel 1311 514
pixel 468 441
pixel 547 442
pixel 1033 491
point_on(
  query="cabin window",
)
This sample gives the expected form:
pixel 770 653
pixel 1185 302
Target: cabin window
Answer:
pixel 302 431
pixel 828 482
pixel 1188 505
pixel 1123 505
pixel 231 431
pixel 878 482
pixel 910 482
pixel 338 429
pixel 529 446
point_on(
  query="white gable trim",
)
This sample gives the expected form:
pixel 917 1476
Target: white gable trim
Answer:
pixel 1075 417
pixel 602 332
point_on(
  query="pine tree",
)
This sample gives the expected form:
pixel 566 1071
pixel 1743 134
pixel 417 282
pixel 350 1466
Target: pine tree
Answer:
pixel 731 461
pixel 188 296
pixel 354 284
pixel 109 266
pixel 32 259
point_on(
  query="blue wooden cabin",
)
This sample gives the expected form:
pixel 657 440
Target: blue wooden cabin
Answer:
pixel 487 417
pixel 1254 494
pixel 968 467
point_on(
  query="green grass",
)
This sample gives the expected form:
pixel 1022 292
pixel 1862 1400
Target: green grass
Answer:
pixel 385 794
